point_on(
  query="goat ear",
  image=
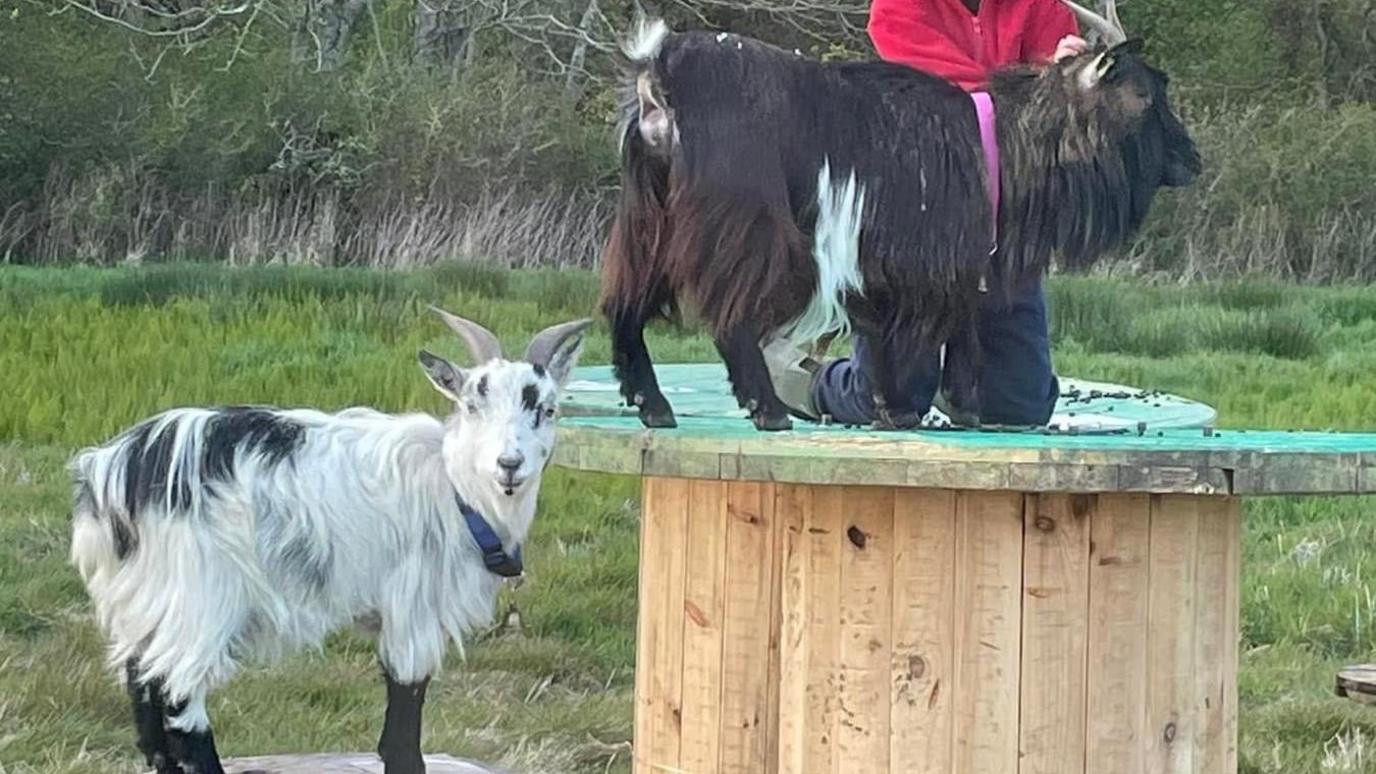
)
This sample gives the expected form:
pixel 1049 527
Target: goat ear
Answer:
pixel 1103 65
pixel 1093 73
pixel 556 349
pixel 444 375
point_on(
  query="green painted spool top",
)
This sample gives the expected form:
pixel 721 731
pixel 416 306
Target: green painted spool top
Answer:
pixel 1102 438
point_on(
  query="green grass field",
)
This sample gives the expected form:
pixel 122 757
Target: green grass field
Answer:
pixel 83 353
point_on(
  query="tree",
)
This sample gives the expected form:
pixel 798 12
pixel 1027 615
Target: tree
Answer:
pixel 322 31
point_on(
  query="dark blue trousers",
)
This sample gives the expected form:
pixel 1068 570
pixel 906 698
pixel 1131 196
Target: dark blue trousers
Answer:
pixel 1016 383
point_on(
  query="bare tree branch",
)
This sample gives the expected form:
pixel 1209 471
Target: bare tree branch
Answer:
pixel 173 23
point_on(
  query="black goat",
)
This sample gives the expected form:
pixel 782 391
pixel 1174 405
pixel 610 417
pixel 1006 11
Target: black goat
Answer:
pixel 778 195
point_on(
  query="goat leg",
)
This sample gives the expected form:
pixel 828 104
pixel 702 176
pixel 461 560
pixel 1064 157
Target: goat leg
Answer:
pixel 960 376
pixel 892 406
pixel 150 720
pixel 636 373
pixel 750 381
pixel 399 746
pixel 192 749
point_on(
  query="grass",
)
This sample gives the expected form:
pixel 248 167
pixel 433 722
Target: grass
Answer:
pixel 84 352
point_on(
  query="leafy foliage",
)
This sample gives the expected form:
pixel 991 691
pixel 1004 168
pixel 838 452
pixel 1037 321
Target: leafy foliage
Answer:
pixel 231 143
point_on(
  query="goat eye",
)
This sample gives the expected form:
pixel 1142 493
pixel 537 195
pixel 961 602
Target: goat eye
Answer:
pixel 472 407
pixel 549 412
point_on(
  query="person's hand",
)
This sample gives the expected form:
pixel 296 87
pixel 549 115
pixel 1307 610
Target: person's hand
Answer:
pixel 1070 45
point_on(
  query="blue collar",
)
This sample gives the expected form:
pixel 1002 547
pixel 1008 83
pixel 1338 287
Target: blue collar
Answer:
pixel 495 557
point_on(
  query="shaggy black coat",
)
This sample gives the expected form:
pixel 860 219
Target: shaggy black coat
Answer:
pixel 719 199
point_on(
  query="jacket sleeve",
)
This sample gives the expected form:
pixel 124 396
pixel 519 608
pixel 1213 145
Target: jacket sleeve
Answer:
pixel 1048 22
pixel 901 34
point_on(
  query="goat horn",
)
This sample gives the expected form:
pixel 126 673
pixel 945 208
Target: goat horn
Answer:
pixel 548 343
pixel 1110 29
pixel 1111 13
pixel 482 345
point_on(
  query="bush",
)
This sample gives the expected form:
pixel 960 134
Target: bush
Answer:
pixel 1285 193
pixel 387 164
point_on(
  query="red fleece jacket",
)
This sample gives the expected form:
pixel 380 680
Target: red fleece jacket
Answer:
pixel 943 38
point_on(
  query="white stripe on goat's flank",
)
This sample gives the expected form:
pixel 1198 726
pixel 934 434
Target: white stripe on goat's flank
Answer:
pixel 836 249
pixel 646 40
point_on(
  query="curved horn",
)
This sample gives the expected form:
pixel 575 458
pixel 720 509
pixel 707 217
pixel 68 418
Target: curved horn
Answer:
pixel 482 345
pixel 1110 29
pixel 549 341
pixel 1111 13
pixel 556 348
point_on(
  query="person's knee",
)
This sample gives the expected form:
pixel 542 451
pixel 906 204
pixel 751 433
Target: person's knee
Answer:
pixel 1029 399
pixel 841 391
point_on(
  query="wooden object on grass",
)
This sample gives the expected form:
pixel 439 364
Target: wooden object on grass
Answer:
pixel 344 763
pixel 1358 683
pixel 942 602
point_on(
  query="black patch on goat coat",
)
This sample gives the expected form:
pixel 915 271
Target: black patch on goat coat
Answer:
pixel 149 469
pixel 530 397
pixel 247 430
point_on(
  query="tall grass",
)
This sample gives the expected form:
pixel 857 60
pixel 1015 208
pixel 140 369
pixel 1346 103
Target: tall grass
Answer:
pixel 84 352
pixel 1285 194
pixel 127 214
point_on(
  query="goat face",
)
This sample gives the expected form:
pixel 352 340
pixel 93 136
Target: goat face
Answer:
pixel 501 433
pixel 1132 102
pixel 1128 100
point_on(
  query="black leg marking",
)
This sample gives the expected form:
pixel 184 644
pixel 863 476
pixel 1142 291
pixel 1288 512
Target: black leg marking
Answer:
pixel 750 380
pixel 631 362
pixel 399 746
pixel 149 717
pixel 893 406
pixel 960 375
pixel 193 751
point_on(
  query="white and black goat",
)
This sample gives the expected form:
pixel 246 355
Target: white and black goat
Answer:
pixel 209 536
pixel 783 196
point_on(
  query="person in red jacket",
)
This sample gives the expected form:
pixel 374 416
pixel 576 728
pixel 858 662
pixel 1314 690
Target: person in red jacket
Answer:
pixel 965 40
pixel 962 41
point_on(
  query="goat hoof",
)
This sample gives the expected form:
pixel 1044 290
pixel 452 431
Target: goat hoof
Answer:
pixel 897 420
pixel 959 406
pixel 402 764
pixel 658 419
pixel 772 422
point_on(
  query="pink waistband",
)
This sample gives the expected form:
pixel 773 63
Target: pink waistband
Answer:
pixel 984 109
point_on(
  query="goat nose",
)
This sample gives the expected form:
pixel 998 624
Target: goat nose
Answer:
pixel 510 461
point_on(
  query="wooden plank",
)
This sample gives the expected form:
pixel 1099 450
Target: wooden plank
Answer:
pixel 1055 616
pixel 923 660
pixel 660 662
pixel 793 509
pixel 1218 563
pixel 825 532
pixel 1183 462
pixel 866 621
pixel 1117 643
pixel 1231 511
pixel 704 611
pixel 647 632
pixel 1171 712
pixel 745 644
pixel 1357 682
pixel 988 603
pixel 776 537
